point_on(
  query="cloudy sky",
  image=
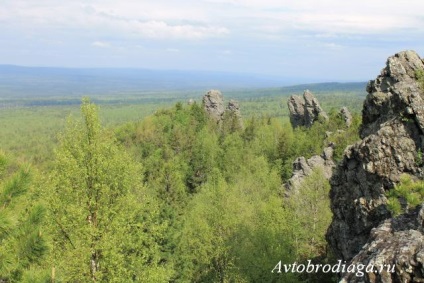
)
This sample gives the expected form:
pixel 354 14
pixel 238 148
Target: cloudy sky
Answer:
pixel 326 40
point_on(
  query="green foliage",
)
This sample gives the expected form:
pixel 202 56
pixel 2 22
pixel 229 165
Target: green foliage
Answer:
pixel 342 136
pixel 173 197
pixel 419 158
pixel 406 195
pixel 232 231
pixel 419 75
pixel 98 209
pixel 231 123
pixel 3 164
pixel 308 205
pixel 23 247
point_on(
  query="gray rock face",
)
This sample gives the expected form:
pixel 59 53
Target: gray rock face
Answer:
pixel 304 111
pixel 213 104
pixel 346 116
pixel 396 248
pixel 392 134
pixel 303 168
pixel 296 106
pixel 233 106
pixel 233 109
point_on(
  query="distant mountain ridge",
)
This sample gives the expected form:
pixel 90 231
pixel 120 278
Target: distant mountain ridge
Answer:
pixel 52 81
pixel 17 81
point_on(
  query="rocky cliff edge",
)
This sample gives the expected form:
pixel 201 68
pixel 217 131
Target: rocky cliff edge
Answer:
pixel 362 229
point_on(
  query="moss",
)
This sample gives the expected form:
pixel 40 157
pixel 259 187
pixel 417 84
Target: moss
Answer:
pixel 419 75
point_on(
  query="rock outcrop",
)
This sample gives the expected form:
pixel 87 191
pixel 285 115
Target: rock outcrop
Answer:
pixel 346 116
pixel 392 135
pixel 213 103
pixel 303 167
pixel 304 111
pixel 233 109
pixel 395 248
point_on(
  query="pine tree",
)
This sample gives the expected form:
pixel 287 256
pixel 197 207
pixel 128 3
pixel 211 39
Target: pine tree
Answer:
pixel 22 244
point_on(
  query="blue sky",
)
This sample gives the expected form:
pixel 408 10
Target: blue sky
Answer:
pixel 324 40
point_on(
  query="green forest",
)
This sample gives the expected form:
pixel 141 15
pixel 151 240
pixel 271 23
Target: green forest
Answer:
pixel 167 196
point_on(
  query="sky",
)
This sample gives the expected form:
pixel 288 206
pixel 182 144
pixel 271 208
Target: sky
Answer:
pixel 326 40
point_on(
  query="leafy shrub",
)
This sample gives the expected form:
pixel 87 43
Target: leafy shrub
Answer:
pixel 406 195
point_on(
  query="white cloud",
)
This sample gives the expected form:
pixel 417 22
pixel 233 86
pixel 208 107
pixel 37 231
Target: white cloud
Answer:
pixel 251 31
pixel 123 19
pixel 352 24
pixel 328 16
pixel 162 30
pixel 194 19
pixel 101 44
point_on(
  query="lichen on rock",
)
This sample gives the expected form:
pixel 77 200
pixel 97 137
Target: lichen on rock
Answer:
pixel 306 110
pixel 392 134
pixel 213 103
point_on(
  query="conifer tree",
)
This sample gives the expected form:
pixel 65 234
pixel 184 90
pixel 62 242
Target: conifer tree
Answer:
pixel 22 244
pixel 101 231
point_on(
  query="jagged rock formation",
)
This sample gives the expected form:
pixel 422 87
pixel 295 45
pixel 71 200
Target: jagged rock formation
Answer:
pixel 234 107
pixel 296 106
pixel 392 134
pixel 346 116
pixel 305 111
pixel 213 104
pixel 398 242
pixel 233 110
pixel 303 168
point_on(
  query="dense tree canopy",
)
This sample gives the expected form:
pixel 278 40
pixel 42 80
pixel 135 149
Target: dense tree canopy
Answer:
pixel 175 197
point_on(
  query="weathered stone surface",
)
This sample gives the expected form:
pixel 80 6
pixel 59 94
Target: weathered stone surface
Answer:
pixel 296 106
pixel 233 110
pixel 346 116
pixel 394 93
pixel 233 106
pixel 304 111
pixel 303 168
pixel 396 248
pixel 312 109
pixel 213 104
pixel 392 134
